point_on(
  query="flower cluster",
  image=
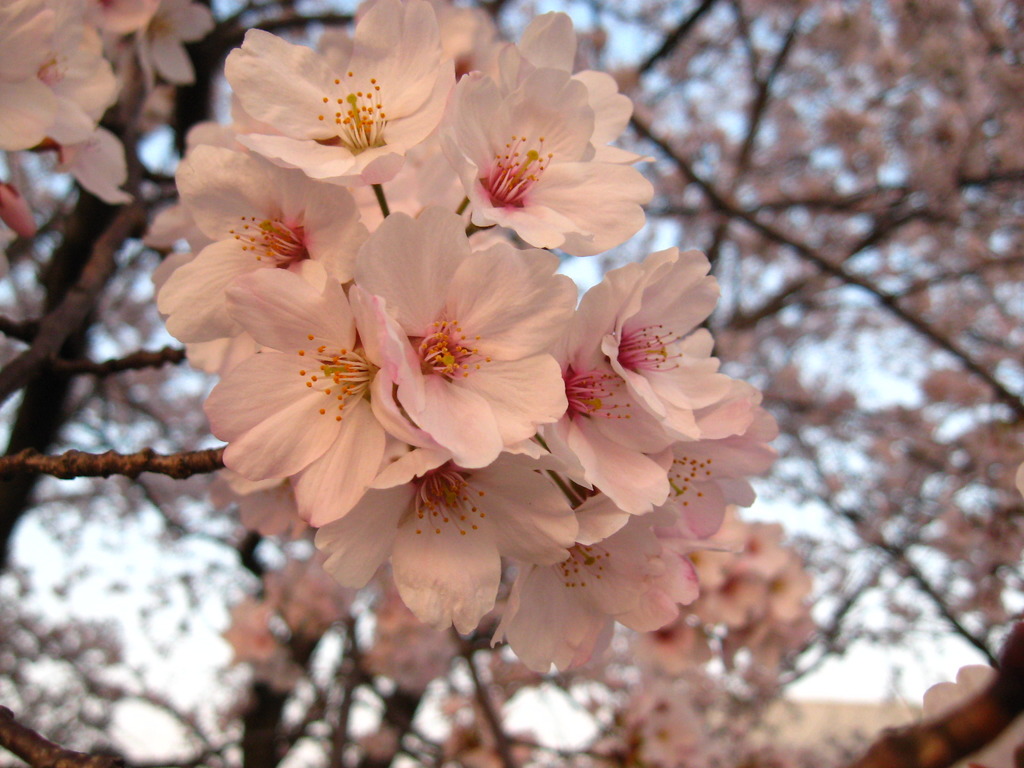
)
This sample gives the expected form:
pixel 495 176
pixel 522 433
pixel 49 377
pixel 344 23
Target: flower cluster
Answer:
pixel 753 610
pixel 56 82
pixel 422 379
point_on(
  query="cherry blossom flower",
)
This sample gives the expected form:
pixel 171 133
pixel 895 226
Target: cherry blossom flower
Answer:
pixel 299 404
pixel 605 439
pixel 445 530
pixel 265 506
pixel 526 163
pixel 26 38
pixel 98 164
pixel 161 42
pixel 564 613
pixel 81 79
pixel 550 41
pixel 121 17
pixel 353 123
pixel 259 217
pixel 707 476
pixel 636 375
pixel 645 317
pixel 464 334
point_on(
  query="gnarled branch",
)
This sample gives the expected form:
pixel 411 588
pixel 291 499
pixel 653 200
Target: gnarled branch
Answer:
pixel 80 464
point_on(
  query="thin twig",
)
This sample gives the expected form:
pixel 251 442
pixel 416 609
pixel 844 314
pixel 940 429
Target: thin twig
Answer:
pixel 502 744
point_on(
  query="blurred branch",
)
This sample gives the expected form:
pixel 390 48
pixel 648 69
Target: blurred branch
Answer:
pixel 23 330
pixel 67 317
pixel 888 301
pixel 963 731
pixel 674 38
pixel 80 464
pixel 134 361
pixel 502 744
pixel 40 753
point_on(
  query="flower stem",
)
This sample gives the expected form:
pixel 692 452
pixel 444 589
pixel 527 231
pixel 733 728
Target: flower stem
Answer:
pixel 574 500
pixel 382 201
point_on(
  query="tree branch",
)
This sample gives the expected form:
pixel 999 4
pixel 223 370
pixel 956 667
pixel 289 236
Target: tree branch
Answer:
pixel 963 731
pixel 889 301
pixel 673 39
pixel 38 752
pixel 134 361
pixel 68 316
pixel 80 464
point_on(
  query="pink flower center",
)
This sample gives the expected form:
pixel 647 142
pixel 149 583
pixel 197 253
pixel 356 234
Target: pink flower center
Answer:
pixel 646 349
pixel 685 473
pixel 272 241
pixel 447 352
pixel 359 117
pixel 594 393
pixel 343 376
pixel 515 171
pixel 444 498
pixel 583 564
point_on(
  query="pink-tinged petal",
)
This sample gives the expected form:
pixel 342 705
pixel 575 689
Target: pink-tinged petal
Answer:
pixel 597 314
pixel 632 480
pixel 332 230
pixel 223 188
pixel 612 109
pixel 330 486
pixel 545 624
pixel 409 465
pixel 98 164
pixel 26 36
pixel 602 200
pixel 521 394
pixel 460 420
pixel 399 44
pixel 357 544
pixel 550 41
pixel 388 347
pixel 659 605
pixel 392 416
pixel 171 60
pixel 598 519
pixel 444 577
pixel 550 104
pixel 533 521
pixel 315 160
pixel 282 84
pixel 281 310
pixel 193 297
pixel 263 409
pixel 28 111
pixel 477 98
pixel 15 211
pixel 411 264
pixel 510 330
pixel 538 225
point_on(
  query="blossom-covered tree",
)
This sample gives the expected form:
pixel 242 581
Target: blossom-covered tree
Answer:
pixel 317 455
